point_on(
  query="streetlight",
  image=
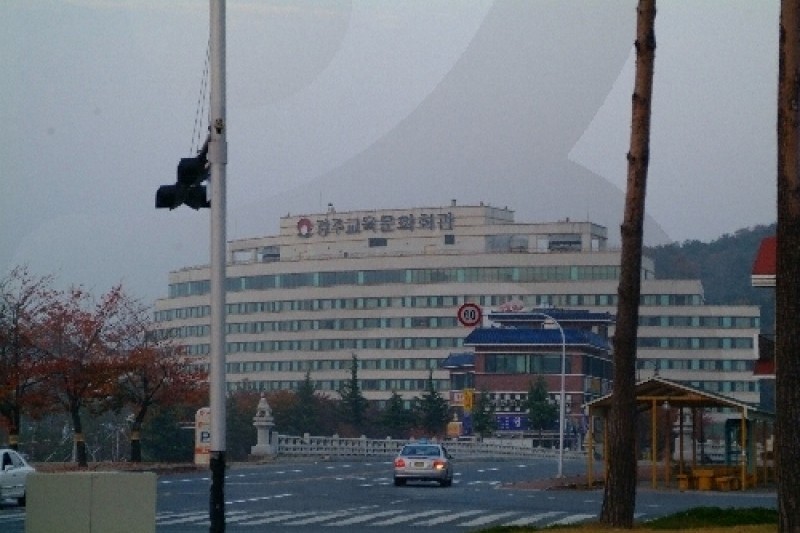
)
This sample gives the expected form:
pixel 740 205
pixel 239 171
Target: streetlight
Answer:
pixel 562 402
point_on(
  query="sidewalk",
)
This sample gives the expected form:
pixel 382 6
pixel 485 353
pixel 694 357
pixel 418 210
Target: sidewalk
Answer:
pixel 581 482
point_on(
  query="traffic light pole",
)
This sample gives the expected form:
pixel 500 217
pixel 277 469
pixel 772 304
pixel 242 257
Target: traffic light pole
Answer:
pixel 218 159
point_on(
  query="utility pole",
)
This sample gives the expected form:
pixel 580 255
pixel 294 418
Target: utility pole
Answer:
pixel 218 159
pixel 210 164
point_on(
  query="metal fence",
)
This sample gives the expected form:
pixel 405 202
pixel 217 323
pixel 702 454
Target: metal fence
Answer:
pixel 308 446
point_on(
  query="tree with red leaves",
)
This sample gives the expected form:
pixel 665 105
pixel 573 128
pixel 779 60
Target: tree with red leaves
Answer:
pixel 156 373
pixel 82 340
pixel 23 301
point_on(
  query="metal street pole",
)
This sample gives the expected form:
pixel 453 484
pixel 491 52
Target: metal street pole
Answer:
pixel 562 402
pixel 218 159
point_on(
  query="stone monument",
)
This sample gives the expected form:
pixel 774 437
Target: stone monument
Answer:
pixel 266 441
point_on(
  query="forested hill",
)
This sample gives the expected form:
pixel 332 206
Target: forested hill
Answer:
pixel 723 265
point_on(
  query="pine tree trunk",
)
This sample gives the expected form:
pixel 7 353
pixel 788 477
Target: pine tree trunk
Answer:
pixel 619 498
pixel 787 294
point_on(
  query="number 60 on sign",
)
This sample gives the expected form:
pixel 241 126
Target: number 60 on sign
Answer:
pixel 470 315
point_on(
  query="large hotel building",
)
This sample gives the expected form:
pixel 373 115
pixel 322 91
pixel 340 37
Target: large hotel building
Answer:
pixel 386 285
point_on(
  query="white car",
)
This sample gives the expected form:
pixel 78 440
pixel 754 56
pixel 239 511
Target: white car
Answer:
pixel 423 462
pixel 14 471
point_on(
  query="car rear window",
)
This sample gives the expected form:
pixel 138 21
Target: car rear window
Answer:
pixel 420 450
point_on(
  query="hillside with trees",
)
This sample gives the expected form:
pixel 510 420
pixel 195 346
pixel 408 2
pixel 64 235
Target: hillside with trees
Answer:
pixel 723 265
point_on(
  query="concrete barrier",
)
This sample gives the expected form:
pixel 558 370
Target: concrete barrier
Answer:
pixel 91 502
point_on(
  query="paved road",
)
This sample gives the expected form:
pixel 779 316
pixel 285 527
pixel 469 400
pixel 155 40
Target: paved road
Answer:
pixel 360 496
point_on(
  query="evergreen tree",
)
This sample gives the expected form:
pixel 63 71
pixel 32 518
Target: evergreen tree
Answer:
pixel 354 405
pixel 484 422
pixel 306 413
pixel 395 418
pixel 164 439
pixel 541 412
pixel 723 265
pixel 433 411
pixel 283 404
pixel 240 407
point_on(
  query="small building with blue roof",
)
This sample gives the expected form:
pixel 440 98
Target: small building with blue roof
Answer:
pixel 515 347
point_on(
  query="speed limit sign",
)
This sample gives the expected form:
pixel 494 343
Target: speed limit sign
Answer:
pixel 470 315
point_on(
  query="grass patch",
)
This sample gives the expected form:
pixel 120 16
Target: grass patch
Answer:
pixel 715 516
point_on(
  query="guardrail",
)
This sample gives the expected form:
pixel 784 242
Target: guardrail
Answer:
pixel 308 446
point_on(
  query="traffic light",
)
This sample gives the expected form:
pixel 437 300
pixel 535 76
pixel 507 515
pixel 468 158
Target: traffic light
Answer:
pixel 167 196
pixel 188 188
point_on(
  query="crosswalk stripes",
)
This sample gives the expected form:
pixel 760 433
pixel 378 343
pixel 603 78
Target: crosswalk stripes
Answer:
pixel 373 517
pixel 532 519
pixel 247 517
pixel 449 518
pixel 179 518
pixel 18 516
pixel 572 519
pixel 488 519
pixel 409 517
pixel 366 518
pixel 284 515
pixel 321 518
pixel 189 518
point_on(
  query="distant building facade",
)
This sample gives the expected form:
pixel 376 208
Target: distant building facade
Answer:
pixel 386 285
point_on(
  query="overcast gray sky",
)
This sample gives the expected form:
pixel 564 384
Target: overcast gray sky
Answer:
pixel 370 104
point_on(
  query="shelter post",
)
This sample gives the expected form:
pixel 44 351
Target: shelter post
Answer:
pixel 590 450
pixel 653 440
pixel 743 458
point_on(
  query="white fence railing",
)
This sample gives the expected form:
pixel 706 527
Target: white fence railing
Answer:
pixel 308 446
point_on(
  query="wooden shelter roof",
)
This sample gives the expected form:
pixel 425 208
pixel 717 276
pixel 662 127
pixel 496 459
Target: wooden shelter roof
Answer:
pixel 679 395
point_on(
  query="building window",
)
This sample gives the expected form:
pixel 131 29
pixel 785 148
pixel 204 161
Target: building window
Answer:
pixel 375 242
pixel 449 239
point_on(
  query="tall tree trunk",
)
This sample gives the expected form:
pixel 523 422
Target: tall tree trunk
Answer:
pixel 136 440
pixel 136 446
pixel 619 497
pixel 13 431
pixel 787 293
pixel 81 457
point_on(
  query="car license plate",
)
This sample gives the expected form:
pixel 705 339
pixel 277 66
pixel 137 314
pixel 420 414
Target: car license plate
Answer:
pixel 419 464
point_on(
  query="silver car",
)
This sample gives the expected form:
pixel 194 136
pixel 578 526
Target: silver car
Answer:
pixel 423 462
pixel 14 471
